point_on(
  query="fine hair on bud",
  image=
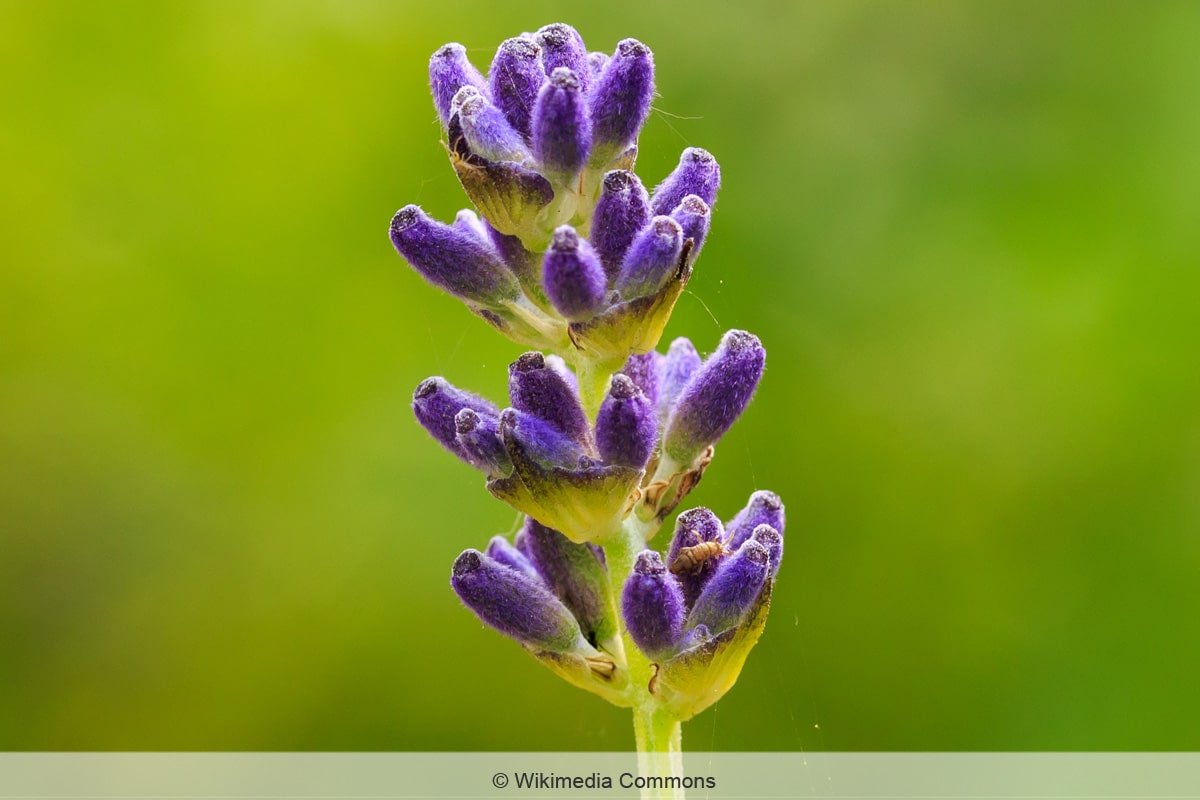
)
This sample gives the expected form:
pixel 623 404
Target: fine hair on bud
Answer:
pixel 573 275
pixel 698 173
pixel 652 606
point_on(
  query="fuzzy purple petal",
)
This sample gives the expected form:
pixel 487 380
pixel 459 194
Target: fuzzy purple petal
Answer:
pixel 626 425
pixel 620 100
pixel 451 258
pixel 764 508
pixel 575 575
pixel 488 131
pixel 436 403
pixel 500 550
pixel 622 210
pixel 732 591
pixel 694 527
pixel 537 389
pixel 562 46
pixel 574 278
pixel 643 371
pixel 449 71
pixel 715 396
pixel 515 78
pixel 694 218
pixel 698 173
pixel 652 606
pixel 679 365
pixel 479 440
pixel 562 130
pixel 512 603
pixel 771 539
pixel 528 437
pixel 652 257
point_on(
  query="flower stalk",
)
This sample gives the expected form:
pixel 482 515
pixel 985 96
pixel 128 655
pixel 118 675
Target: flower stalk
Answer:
pixel 568 253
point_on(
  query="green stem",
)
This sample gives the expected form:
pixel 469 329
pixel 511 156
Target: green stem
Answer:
pixel 593 383
pixel 656 731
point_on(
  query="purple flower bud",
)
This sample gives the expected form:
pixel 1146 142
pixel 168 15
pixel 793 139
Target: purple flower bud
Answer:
pixel 488 131
pixel 679 365
pixel 715 396
pixel 538 390
pixel 479 441
pixel 504 553
pixel 626 426
pixel 622 210
pixel 468 222
pixel 651 258
pixel 436 403
pixel 528 437
pixel 451 258
pixel 696 550
pixel 694 218
pixel 770 538
pixel 449 71
pixel 520 261
pixel 652 606
pixel 512 603
pixel 764 508
pixel 456 103
pixel 562 131
pixel 574 278
pixel 643 371
pixel 575 576
pixel 514 79
pixel 562 46
pixel 559 366
pixel 698 173
pixel 731 592
pixel 621 98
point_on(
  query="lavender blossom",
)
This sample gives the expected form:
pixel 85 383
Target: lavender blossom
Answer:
pixel 622 210
pixel 715 397
pixel 512 603
pixel 514 79
pixel 695 528
pixel 694 218
pixel 449 71
pixel 643 371
pixel 679 365
pixel 450 258
pixel 652 256
pixel 626 427
pixel 526 436
pixel 621 98
pixel 541 391
pixel 652 606
pixel 574 278
pixel 575 575
pixel 764 508
pixel 510 556
pixel 771 539
pixel 488 131
pixel 698 173
pixel 562 47
pixel 731 593
pixel 478 437
pixel 562 131
pixel 436 404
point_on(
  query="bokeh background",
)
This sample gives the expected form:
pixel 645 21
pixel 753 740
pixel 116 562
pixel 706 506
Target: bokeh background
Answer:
pixel 966 232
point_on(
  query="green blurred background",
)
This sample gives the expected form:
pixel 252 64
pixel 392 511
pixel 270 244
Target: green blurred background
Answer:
pixel 967 234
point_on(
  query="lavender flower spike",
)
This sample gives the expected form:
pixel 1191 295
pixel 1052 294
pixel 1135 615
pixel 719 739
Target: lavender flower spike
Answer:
pixel 620 101
pixel 436 404
pixel 512 603
pixel 452 258
pixel 574 278
pixel 652 606
pixel 539 390
pixel 698 173
pixel 715 396
pixel 764 508
pixel 449 71
pixel 626 426
pixel 514 79
pixel 733 590
pixel 562 132
pixel 622 210
pixel 651 258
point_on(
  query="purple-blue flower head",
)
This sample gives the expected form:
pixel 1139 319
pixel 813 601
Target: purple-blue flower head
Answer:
pixel 436 404
pixel 652 257
pixel 452 258
pixel 764 508
pixel 515 78
pixel 732 591
pixel 698 173
pixel 652 606
pixel 626 426
pixel 562 131
pixel 622 210
pixel 541 391
pixel 715 397
pixel 512 603
pixel 573 275
pixel 620 100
